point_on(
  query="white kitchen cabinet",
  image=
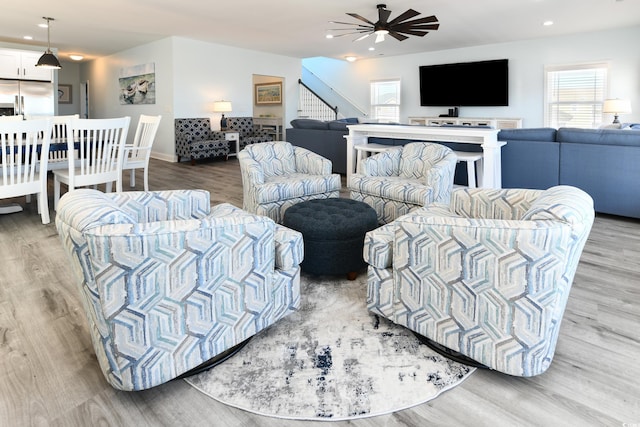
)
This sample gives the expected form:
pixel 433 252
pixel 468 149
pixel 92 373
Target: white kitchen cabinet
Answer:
pixel 21 64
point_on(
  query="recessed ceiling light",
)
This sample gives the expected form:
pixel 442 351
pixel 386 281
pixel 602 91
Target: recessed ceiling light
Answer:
pixel 76 57
pixel 547 23
pixel 350 58
pixel 372 48
pixel 43 25
pixel 28 38
pixel 329 36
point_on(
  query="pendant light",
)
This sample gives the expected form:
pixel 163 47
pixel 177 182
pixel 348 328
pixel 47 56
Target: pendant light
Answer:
pixel 48 59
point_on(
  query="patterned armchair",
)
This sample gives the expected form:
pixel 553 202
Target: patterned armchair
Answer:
pixel 195 140
pixel 487 276
pixel 276 175
pixel 404 178
pixel 249 134
pixel 169 283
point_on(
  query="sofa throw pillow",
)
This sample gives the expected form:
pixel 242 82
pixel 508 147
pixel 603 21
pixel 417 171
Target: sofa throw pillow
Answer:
pixel 338 125
pixel 309 124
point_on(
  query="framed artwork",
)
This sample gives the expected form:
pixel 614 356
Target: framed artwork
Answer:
pixel 138 84
pixel 268 93
pixel 64 94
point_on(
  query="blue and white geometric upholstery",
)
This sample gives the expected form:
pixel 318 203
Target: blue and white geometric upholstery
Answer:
pixel 276 175
pixel 249 134
pixel 195 140
pixel 168 283
pixel 401 179
pixel 487 276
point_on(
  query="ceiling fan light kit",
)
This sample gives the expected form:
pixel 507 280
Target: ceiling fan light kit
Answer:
pixel 400 28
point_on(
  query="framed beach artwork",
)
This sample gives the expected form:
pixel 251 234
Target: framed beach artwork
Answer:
pixel 138 84
pixel 268 93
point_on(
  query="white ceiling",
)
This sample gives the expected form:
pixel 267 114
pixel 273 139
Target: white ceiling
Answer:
pixel 297 28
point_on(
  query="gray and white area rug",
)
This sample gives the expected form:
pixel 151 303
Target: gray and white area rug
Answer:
pixel 332 360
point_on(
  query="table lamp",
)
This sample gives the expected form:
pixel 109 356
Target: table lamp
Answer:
pixel 222 107
pixel 616 107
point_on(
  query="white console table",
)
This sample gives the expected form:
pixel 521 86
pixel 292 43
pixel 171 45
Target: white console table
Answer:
pixel 487 138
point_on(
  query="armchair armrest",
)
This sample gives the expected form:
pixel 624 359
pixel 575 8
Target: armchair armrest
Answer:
pixel 440 178
pixel 289 249
pixel 311 163
pixel 386 163
pixel 260 132
pixel 184 137
pixel 252 170
pixel 215 135
pixel 378 246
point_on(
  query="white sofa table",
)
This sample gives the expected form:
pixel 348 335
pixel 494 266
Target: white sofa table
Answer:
pixel 487 138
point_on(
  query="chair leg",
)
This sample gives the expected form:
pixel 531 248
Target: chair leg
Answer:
pixel 132 179
pixel 56 192
pixel 43 207
pixel 146 179
pixel 471 173
pixel 108 187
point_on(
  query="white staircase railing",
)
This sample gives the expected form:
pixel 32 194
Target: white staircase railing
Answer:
pixel 311 106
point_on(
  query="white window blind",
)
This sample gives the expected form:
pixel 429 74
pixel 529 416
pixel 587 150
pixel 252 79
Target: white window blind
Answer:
pixel 574 95
pixel 385 100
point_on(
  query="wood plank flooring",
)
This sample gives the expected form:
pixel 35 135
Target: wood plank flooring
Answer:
pixel 49 375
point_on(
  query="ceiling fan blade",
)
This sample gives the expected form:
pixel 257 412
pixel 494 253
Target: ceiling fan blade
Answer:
pixel 411 32
pixel 404 28
pixel 425 20
pixel 355 15
pixel 348 23
pixel 406 15
pixel 397 36
pixel 364 35
pixel 383 15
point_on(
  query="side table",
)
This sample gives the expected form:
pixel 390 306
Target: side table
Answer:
pixel 233 136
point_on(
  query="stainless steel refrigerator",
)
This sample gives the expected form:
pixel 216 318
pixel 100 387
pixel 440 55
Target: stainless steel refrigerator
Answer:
pixel 29 98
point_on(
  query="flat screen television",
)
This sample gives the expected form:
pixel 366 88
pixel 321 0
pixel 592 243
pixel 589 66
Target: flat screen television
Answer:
pixel 465 84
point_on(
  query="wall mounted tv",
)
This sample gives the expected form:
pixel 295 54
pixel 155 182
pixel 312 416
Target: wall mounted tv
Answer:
pixel 465 84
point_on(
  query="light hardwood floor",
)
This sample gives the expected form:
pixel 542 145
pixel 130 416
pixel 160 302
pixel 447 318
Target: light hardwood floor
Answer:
pixel 49 375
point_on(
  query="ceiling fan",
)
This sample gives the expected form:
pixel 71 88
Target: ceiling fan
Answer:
pixel 396 28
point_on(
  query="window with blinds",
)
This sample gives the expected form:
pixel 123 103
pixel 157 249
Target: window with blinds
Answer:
pixel 385 101
pixel 574 95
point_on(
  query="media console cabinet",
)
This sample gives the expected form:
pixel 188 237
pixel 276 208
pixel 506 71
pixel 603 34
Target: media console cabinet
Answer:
pixel 496 123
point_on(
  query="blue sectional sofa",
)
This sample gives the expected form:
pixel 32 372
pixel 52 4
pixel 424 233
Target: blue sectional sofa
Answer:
pixel 603 162
pixel 324 138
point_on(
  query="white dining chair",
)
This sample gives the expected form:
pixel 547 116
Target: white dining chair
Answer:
pixel 59 158
pixel 100 147
pixel 25 146
pixel 136 155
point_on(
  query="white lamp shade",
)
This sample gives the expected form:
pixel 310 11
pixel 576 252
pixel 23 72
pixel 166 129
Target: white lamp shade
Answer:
pixel 222 107
pixel 617 106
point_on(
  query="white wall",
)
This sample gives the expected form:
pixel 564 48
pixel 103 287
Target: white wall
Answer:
pixel 104 91
pixel 527 60
pixel 70 75
pixel 190 76
pixel 207 72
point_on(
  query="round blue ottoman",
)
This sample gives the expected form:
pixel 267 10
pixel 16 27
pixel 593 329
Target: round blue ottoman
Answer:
pixel 333 231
